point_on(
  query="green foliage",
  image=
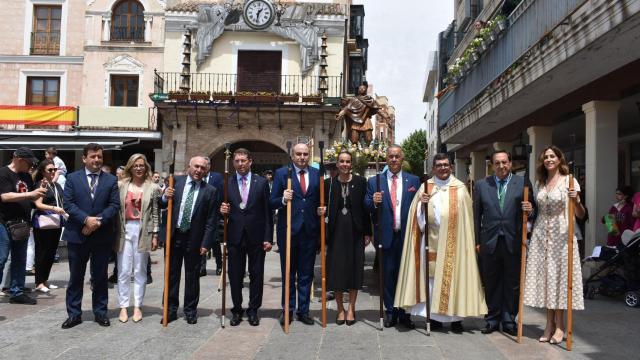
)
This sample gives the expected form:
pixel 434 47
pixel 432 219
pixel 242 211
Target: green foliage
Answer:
pixel 414 147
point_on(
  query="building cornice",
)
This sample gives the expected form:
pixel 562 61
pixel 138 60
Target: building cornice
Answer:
pixel 41 59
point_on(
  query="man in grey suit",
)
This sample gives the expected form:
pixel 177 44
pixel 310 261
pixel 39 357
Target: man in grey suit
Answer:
pixel 497 212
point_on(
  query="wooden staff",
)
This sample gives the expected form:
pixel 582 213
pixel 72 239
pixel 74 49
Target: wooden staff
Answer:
pixel 380 250
pixel 572 211
pixel 425 210
pixel 167 243
pixel 287 272
pixel 323 260
pixel 523 244
pixel 225 234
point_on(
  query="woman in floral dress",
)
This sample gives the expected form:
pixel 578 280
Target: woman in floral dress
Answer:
pixel 546 274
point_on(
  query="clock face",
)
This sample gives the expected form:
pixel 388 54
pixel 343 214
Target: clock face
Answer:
pixel 258 14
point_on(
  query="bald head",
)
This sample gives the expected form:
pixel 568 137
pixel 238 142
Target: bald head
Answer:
pixel 300 156
pixel 197 167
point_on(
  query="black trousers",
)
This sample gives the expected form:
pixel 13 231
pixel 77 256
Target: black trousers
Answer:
pixel 191 259
pixel 79 255
pixel 238 254
pixel 501 277
pixel 217 254
pixel 46 246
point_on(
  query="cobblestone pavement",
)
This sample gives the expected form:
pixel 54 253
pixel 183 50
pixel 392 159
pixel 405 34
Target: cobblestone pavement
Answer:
pixel 608 328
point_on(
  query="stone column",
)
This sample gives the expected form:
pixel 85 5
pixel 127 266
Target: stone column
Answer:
pixel 106 27
pixel 478 165
pixel 158 161
pixel 539 138
pixel 147 28
pixel 461 169
pixel 601 148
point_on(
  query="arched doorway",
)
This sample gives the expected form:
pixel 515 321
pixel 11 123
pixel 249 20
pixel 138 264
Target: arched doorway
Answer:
pixel 266 156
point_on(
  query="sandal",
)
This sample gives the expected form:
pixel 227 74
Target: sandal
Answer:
pixel 555 340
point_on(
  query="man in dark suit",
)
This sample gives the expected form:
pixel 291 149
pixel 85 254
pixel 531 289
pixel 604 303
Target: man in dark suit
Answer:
pixel 497 211
pixel 92 200
pixel 193 219
pixel 397 190
pixel 214 179
pixel 304 199
pixel 250 234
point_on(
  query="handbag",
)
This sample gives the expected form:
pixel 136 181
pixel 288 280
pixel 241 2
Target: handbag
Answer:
pixel 48 219
pixel 19 230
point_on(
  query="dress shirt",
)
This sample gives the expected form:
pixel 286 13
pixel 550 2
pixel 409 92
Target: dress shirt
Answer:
pixel 297 173
pixel 239 177
pixel 185 192
pixel 398 204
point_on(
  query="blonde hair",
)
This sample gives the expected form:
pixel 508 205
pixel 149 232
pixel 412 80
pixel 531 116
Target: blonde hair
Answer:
pixel 127 174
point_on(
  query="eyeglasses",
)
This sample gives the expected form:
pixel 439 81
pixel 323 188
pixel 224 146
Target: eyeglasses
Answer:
pixel 52 169
pixel 139 166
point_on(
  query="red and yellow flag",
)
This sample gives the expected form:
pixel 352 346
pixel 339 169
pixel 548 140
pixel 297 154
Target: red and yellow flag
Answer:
pixel 37 115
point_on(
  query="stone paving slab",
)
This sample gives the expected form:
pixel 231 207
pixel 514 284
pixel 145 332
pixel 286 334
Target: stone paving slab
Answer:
pixel 607 329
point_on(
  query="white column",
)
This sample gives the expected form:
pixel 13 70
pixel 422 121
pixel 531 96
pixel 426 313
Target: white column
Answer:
pixel 461 169
pixel 601 144
pixel 478 165
pixel 539 138
pixel 106 27
pixel 147 28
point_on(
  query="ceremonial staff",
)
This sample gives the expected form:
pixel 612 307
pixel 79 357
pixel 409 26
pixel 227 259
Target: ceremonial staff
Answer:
pixel 425 210
pixel 167 244
pixel 523 243
pixel 572 219
pixel 225 233
pixel 380 250
pixel 323 260
pixel 287 281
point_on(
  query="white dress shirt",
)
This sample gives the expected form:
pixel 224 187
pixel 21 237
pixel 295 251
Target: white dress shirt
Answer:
pixel 398 203
pixel 185 192
pixel 87 173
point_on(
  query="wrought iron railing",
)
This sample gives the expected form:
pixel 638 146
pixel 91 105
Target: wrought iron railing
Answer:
pixel 166 82
pixel 127 33
pixel 45 43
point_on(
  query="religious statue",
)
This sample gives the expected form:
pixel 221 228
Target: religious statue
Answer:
pixel 356 112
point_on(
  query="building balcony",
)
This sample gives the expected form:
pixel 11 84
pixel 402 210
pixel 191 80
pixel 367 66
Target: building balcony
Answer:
pixel 526 26
pixel 247 88
pixel 45 43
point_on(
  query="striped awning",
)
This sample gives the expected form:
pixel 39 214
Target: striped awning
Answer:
pixel 38 115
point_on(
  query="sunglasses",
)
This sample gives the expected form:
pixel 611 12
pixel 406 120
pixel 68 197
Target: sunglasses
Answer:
pixel 52 169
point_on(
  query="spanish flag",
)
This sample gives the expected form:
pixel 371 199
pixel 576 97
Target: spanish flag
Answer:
pixel 37 115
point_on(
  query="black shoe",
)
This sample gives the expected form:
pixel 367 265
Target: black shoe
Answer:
pixel 511 330
pixel 281 319
pixel 149 279
pixel 102 320
pixel 390 321
pixel 71 322
pixel 22 299
pixel 488 329
pixel 203 272
pixel 170 318
pixel 254 320
pixel 351 322
pixel 30 273
pixel 331 296
pixel 340 322
pixel 305 319
pixel 456 327
pixel 218 272
pixel 435 325
pixel 192 319
pixel 236 319
pixel 113 279
pixel 406 322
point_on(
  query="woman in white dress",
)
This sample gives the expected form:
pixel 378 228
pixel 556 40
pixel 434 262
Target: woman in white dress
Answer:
pixel 546 273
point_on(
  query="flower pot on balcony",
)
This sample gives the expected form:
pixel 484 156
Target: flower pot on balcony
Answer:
pixel 266 98
pixel 474 56
pixel 288 98
pixel 484 46
pixel 222 97
pixel 493 36
pixel 245 98
pixel 312 99
pixel 179 96
pixel 502 25
pixel 199 97
pixel 467 67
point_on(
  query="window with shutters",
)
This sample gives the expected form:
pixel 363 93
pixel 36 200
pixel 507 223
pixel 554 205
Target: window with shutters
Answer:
pixel 45 37
pixel 43 91
pixel 259 71
pixel 124 90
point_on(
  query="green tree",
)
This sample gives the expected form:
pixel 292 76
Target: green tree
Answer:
pixel 413 148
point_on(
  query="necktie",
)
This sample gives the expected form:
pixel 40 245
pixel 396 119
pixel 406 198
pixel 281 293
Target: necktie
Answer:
pixel 501 192
pixel 244 193
pixel 394 198
pixel 92 184
pixel 185 221
pixel 303 182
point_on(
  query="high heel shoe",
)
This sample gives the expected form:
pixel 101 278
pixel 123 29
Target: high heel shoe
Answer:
pixel 338 321
pixel 124 317
pixel 555 340
pixel 137 316
pixel 351 322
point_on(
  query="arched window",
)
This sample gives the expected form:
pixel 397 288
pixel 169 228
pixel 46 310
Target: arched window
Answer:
pixel 128 21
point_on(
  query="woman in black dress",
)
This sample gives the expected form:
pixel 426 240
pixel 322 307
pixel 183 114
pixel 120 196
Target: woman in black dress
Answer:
pixel 349 231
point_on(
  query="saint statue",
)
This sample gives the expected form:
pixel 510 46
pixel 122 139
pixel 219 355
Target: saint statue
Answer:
pixel 356 112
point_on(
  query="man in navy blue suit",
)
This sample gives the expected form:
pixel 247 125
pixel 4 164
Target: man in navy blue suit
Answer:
pixel 92 201
pixel 397 190
pixel 250 234
pixel 194 219
pixel 214 179
pixel 304 200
